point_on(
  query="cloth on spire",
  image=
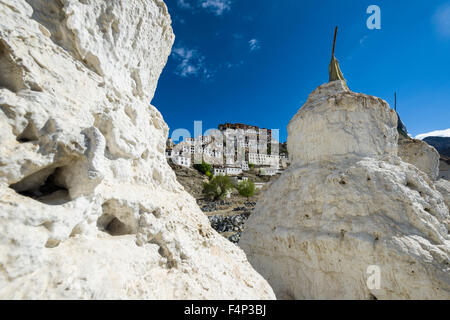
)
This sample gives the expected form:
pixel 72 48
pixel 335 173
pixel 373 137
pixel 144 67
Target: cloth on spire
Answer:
pixel 335 71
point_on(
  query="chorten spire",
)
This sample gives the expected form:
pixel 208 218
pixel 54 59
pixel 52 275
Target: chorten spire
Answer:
pixel 334 70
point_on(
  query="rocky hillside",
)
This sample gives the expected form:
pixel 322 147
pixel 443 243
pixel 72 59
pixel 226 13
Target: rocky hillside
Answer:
pixel 226 216
pixel 89 208
pixel 444 168
pixel 190 179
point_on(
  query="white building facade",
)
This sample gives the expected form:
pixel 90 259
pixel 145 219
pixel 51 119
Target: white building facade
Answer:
pixel 182 161
pixel 231 149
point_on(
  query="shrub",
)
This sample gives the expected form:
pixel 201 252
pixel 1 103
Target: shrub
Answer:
pixel 246 188
pixel 251 165
pixel 217 188
pixel 203 167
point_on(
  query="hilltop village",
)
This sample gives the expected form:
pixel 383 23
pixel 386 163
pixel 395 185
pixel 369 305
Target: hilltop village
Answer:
pixel 232 150
pixel 242 152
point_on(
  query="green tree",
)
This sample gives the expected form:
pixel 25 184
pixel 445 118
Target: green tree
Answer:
pixel 283 148
pixel 217 188
pixel 203 168
pixel 246 188
pixel 251 165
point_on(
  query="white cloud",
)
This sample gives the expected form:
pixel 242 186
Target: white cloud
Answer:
pixel 218 7
pixel 254 44
pixel 230 65
pixel 184 4
pixel 441 20
pixel 437 133
pixel 361 41
pixel 191 63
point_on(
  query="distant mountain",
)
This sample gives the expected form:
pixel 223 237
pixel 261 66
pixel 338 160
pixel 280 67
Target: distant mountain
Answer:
pixel 439 133
pixel 439 139
pixel 442 144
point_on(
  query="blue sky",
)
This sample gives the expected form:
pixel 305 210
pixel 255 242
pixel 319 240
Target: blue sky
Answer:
pixel 256 62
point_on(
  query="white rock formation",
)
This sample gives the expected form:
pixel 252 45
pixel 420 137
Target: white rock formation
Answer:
pixel 421 155
pixel 349 132
pixel 89 208
pixel 348 205
pixel 443 186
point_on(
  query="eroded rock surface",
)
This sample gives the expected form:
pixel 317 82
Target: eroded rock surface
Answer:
pixel 89 208
pixel 421 155
pixel 443 186
pixel 346 204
